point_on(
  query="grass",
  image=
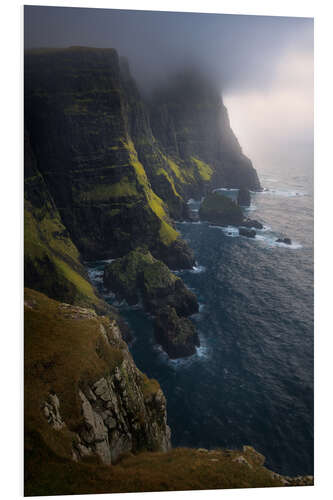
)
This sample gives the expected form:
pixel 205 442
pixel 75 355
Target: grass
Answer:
pixel 204 170
pixel 180 469
pixel 167 233
pixel 53 260
pixel 82 285
pixel 165 174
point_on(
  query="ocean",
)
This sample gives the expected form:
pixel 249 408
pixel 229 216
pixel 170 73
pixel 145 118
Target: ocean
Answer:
pixel 251 380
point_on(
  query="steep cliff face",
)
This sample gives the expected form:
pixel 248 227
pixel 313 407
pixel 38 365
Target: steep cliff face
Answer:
pixel 84 396
pixel 87 156
pixel 51 260
pixel 190 121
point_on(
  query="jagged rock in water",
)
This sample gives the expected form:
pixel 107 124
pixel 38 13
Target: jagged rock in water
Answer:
pixel 249 233
pixel 138 275
pixel 177 336
pixel 286 241
pixel 221 210
pixel 252 223
pixel 244 197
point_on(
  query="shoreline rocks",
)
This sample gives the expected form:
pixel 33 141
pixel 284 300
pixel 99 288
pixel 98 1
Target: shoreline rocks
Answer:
pixel 249 233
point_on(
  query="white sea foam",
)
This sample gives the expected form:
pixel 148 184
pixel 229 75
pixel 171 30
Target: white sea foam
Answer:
pixel 197 269
pixel 231 190
pixel 271 242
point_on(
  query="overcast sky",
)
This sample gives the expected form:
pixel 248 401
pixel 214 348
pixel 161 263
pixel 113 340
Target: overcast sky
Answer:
pixel 263 65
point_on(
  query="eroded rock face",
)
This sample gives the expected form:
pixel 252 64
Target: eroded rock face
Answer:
pixel 118 417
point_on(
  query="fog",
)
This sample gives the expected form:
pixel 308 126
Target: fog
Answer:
pixel 263 65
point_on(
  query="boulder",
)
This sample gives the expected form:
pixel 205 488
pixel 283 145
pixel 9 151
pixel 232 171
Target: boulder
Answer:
pixel 176 335
pixel 249 233
pixel 286 241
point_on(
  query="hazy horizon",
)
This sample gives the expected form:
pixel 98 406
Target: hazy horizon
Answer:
pixel 263 65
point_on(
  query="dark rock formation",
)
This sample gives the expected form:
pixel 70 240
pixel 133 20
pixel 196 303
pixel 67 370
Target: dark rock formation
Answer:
pixel 139 276
pixel 252 223
pixel 249 233
pixel 176 335
pixel 286 241
pixel 244 197
pixel 221 210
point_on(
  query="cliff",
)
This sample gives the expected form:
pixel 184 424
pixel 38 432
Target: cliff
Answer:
pixel 105 175
pixel 84 396
pixel 119 168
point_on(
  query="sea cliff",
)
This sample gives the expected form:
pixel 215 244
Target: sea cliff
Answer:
pixel 106 174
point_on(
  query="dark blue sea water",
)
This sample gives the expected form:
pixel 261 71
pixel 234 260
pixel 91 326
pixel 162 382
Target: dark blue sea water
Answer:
pixel 251 381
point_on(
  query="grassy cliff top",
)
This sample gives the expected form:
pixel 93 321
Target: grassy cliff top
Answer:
pixel 177 470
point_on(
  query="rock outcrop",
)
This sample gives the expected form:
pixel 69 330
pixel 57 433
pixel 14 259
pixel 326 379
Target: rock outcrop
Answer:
pixel 249 233
pixel 221 210
pixel 176 335
pixel 138 276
